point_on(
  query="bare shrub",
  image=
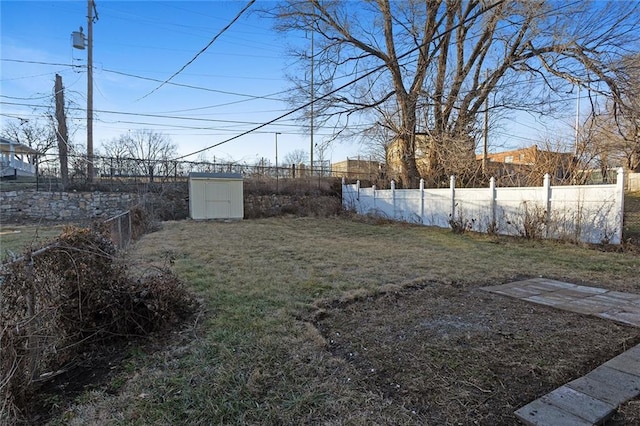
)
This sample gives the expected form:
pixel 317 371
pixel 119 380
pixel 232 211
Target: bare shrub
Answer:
pixel 532 222
pixel 460 224
pixel 75 292
pixel 141 222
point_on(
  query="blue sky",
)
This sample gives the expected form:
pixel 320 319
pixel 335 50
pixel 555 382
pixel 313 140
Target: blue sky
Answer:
pixel 154 40
pixel 135 41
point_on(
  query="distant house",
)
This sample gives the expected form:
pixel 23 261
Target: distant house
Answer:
pixel 16 159
pixel 525 161
pixel 394 155
pixel 357 169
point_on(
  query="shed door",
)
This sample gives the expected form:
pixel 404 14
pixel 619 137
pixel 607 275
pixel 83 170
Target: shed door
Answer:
pixel 218 200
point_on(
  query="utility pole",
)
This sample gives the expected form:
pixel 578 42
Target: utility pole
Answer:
pixel 91 7
pixel 312 98
pixel 577 135
pixel 62 135
pixel 277 171
pixel 485 132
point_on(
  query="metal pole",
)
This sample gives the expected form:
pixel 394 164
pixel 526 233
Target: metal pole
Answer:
pixel 485 147
pixel 90 7
pixel 277 171
pixel 577 122
pixel 312 97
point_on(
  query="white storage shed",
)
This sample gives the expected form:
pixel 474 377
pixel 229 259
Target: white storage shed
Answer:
pixel 216 196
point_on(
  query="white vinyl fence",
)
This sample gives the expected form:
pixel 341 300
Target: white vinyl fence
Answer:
pixel 587 213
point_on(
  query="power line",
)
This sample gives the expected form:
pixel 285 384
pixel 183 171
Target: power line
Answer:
pixel 32 76
pixel 204 48
pixel 24 61
pixel 174 117
pixel 353 81
pixel 189 86
pixel 26 99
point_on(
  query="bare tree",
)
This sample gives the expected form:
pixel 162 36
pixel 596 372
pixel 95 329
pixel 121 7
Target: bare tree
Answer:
pixel 38 134
pixel 439 60
pixel 146 151
pixel 610 138
pixel 119 157
pixel 34 133
pixel 297 157
pixel 618 126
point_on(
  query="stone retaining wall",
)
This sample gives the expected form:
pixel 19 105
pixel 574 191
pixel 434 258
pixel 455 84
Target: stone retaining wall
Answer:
pixel 62 206
pixel 256 206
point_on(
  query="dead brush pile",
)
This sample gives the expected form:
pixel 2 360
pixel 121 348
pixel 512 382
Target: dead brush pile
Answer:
pixel 56 301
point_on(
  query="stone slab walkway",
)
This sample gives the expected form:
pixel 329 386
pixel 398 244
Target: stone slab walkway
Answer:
pixel 600 302
pixel 591 399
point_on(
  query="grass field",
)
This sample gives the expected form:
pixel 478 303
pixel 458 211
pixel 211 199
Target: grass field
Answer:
pixel 340 321
pixel 17 238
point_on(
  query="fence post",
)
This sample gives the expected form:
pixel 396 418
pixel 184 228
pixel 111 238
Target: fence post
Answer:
pixel 421 200
pixel 373 187
pixel 620 202
pixel 547 194
pixel 119 221
pixel 393 197
pixel 452 187
pixel 492 188
pixel 130 227
pixel 357 189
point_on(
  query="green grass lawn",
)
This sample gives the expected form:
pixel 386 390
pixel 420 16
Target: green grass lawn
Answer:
pixel 17 238
pixel 254 355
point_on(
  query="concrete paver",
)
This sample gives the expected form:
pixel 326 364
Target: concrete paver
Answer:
pixel 608 384
pixel 540 413
pixel 625 317
pixel 628 361
pixel 549 299
pixel 600 302
pixel 590 399
pixel 579 404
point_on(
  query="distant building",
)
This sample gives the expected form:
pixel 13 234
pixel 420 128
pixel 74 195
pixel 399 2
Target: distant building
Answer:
pixel 394 155
pixel 357 169
pixel 522 156
pixel 530 162
pixel 16 159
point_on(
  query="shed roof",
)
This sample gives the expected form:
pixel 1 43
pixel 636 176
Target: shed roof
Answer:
pixel 215 175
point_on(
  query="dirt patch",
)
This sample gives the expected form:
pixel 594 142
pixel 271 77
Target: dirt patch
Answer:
pixel 462 356
pixel 93 369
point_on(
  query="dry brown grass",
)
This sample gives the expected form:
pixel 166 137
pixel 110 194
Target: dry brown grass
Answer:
pixel 316 321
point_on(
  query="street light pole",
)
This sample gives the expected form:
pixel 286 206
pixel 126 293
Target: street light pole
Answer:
pixel 277 171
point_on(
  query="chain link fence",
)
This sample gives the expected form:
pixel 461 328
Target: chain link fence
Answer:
pixel 631 225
